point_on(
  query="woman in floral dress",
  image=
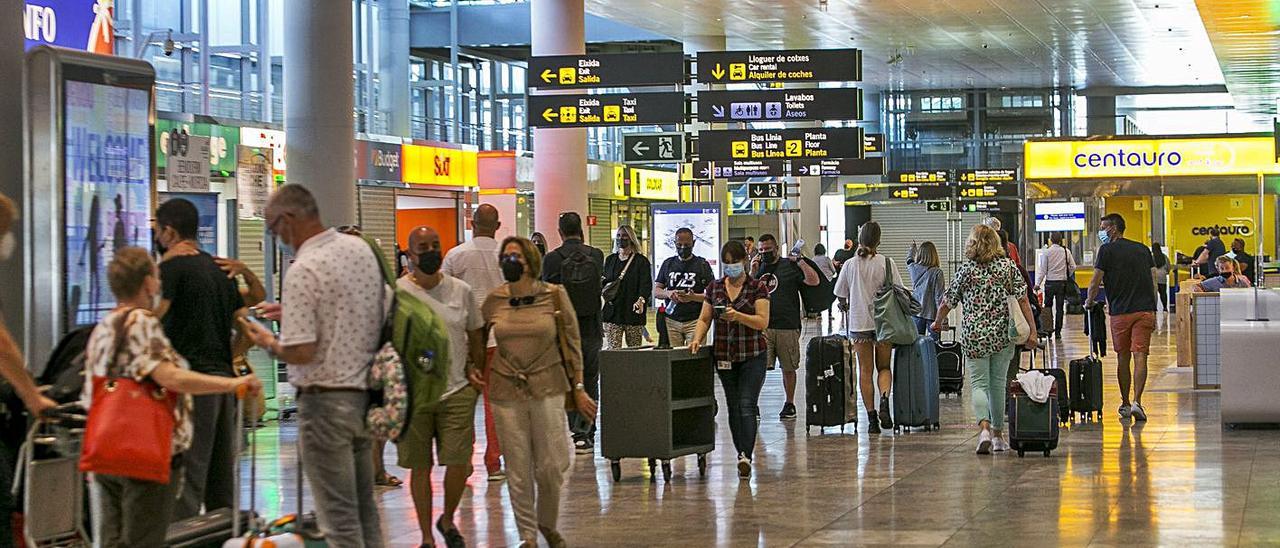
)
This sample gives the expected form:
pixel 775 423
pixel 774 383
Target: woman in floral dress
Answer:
pixel 982 287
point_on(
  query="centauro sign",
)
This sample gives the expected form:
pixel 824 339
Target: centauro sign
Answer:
pixel 1128 158
pixel 1233 230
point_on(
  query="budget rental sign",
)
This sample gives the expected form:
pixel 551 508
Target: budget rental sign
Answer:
pixel 77 24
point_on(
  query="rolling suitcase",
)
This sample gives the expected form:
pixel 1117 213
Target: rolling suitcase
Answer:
pixel 215 527
pixel 1085 387
pixel 1033 426
pixel 950 365
pixel 829 384
pixel 915 386
pixel 1059 382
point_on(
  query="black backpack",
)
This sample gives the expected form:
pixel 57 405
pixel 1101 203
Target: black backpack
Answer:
pixel 818 298
pixel 580 275
pixel 64 372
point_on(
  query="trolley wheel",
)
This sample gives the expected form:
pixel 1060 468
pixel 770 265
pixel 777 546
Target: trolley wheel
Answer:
pixel 1046 453
pixel 702 465
pixel 937 427
pixel 666 470
pixel 653 470
pixel 616 466
pixel 1021 453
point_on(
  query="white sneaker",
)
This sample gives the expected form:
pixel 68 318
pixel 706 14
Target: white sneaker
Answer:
pixel 1125 411
pixel 984 443
pixel 999 445
pixel 744 467
pixel 1139 414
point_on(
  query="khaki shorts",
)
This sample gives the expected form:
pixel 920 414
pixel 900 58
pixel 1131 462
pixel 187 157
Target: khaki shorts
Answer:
pixel 680 333
pixel 782 345
pixel 1132 332
pixel 451 423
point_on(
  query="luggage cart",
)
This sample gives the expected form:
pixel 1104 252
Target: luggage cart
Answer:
pixel 50 483
pixel 657 404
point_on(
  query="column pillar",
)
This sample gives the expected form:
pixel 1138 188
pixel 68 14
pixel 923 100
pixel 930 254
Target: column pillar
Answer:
pixel 393 65
pixel 11 158
pixel 559 155
pixel 318 105
pixel 719 187
pixel 1100 115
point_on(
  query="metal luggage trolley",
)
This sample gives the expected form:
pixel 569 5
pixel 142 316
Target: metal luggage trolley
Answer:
pixel 657 404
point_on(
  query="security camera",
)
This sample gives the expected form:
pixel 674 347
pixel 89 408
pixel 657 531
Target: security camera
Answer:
pixel 169 46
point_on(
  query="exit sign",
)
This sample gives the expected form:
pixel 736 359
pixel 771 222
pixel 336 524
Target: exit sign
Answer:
pixel 937 205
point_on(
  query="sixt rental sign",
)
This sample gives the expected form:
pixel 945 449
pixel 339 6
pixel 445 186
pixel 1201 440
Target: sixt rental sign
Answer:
pixel 1129 158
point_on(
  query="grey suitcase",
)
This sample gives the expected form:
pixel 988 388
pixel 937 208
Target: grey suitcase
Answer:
pixel 915 386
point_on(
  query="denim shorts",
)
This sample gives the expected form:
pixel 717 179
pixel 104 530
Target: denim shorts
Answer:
pixel 862 336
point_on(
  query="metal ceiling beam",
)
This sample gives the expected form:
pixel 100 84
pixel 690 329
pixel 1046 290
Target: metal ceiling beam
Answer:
pixel 1100 91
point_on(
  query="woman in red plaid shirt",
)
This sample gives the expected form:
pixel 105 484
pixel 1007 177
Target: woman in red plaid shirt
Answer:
pixel 739 306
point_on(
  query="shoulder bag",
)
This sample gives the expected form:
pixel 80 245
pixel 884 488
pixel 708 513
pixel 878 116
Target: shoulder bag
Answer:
pixel 893 310
pixel 610 290
pixel 562 343
pixel 1019 329
pixel 130 428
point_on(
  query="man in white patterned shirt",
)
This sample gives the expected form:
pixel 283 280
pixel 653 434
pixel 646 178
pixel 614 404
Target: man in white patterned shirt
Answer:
pixel 336 300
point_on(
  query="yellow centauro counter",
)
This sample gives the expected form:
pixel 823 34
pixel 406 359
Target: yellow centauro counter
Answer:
pixel 1117 158
pixel 1188 219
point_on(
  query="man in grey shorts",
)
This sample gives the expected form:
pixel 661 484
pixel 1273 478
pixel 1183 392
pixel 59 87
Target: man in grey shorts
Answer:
pixel 783 278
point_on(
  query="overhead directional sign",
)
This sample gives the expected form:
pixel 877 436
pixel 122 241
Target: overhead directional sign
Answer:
pixel 613 109
pixel 873 143
pixel 918 176
pixel 749 168
pixel 997 175
pixel 780 144
pixel 766 191
pixel 695 171
pixel 837 167
pixel 606 70
pixel 780 104
pixel 639 148
pixel 989 191
pixel 922 192
pixel 937 205
pixel 800 65
pixel 989 206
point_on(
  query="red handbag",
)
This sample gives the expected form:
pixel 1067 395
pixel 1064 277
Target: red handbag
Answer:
pixel 130 428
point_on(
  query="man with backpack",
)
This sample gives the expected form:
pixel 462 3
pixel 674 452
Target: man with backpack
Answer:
pixel 579 267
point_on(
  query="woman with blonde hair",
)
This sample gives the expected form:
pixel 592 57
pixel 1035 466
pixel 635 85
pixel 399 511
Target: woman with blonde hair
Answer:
pixel 983 285
pixel 927 283
pixel 628 286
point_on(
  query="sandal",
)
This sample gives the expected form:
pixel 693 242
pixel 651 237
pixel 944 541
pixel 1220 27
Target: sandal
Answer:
pixel 387 480
pixel 452 538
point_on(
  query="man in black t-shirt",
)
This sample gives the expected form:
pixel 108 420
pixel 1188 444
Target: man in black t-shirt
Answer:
pixel 1213 248
pixel 842 255
pixel 1125 268
pixel 783 278
pixel 682 280
pixel 1244 258
pixel 199 308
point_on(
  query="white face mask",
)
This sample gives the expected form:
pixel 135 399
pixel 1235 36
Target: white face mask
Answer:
pixel 7 245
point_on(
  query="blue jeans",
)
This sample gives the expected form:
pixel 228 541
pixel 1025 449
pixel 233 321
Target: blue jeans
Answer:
pixel 742 386
pixel 337 457
pixel 923 328
pixel 988 377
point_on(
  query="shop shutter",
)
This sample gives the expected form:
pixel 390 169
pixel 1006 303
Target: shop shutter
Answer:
pixel 378 217
pixel 601 235
pixel 902 224
pixel 249 242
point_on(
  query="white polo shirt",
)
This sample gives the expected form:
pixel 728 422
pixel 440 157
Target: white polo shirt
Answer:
pixel 476 262
pixel 334 296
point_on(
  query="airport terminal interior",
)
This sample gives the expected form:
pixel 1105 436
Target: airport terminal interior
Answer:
pixel 1019 256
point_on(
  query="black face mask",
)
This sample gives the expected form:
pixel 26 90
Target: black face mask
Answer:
pixel 429 262
pixel 684 251
pixel 623 243
pixel 542 248
pixel 512 270
pixel 769 256
pixel 155 243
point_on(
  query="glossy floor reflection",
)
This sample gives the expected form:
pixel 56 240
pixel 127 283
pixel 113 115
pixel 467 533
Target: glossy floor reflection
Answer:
pixel 1177 480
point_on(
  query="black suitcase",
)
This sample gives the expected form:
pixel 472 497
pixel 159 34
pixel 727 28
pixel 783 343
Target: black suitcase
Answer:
pixel 829 381
pixel 1032 425
pixel 1060 382
pixel 950 365
pixel 1086 387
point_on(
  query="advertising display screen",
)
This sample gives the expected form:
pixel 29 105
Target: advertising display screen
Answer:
pixel 1059 216
pixel 107 189
pixel 702 218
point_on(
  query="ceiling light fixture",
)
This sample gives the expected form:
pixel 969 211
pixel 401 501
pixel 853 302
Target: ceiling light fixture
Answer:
pixel 822 5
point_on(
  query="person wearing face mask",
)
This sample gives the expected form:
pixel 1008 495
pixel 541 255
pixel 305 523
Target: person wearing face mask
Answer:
pixel 540 242
pixel 681 280
pixel 1125 268
pixel 450 422
pixel 628 271
pixel 783 277
pixel 738 306
pixel 538 362
pixel 329 333
pixel 1243 258
pixel 199 306
pixel 130 342
pixel 1227 277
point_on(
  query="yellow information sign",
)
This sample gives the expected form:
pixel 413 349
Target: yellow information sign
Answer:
pixel 1174 157
pixel 650 184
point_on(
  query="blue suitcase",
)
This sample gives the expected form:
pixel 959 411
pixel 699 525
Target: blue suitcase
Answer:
pixel 915 386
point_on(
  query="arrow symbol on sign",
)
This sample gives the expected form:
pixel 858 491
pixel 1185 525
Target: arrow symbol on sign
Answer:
pixel 804 170
pixel 547 75
pixel 706 172
pixel 717 72
pixel 717 111
pixel 550 114
pixel 640 148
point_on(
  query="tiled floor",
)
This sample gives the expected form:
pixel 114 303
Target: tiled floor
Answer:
pixel 1178 480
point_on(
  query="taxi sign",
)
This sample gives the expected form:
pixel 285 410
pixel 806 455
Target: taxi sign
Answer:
pixel 613 109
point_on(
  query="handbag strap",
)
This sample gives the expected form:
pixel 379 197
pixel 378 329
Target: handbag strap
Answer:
pixel 121 335
pixel 888 273
pixel 625 267
pixel 561 337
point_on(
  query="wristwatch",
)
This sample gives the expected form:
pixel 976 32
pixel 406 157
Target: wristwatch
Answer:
pixel 580 387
